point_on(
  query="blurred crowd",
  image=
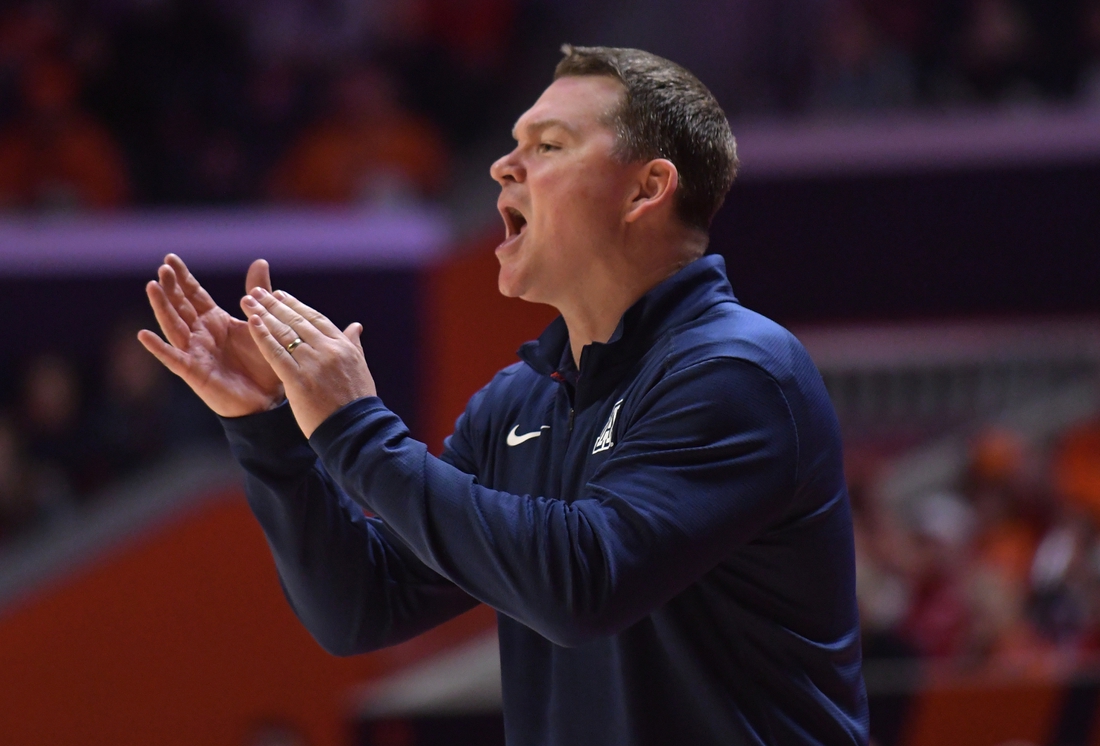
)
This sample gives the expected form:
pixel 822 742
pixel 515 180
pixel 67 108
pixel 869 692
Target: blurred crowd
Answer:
pixel 67 434
pixel 111 103
pixel 1001 568
pixel 107 103
pixel 889 53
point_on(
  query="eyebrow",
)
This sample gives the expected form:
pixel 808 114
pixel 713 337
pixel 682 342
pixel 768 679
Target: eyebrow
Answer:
pixel 543 124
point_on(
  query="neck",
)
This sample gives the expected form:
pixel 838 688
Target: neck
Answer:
pixel 604 295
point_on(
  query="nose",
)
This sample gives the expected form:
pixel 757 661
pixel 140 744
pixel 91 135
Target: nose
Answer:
pixel 507 169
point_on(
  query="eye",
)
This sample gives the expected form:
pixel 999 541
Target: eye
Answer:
pixel 546 147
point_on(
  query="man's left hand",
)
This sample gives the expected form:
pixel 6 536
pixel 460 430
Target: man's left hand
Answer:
pixel 322 372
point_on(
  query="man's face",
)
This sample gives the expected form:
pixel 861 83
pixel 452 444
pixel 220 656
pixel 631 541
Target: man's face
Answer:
pixel 563 194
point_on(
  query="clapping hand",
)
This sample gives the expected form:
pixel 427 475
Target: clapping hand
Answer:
pixel 213 352
pixel 321 367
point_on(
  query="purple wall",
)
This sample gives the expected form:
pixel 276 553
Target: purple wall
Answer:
pixel 1004 242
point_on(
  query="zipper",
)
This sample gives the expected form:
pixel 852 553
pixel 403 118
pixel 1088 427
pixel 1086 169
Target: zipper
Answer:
pixel 568 387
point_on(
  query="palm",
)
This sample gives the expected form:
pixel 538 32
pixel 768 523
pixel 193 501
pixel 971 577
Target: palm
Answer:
pixel 226 365
pixel 212 351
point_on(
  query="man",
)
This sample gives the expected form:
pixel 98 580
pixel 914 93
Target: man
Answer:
pixel 652 500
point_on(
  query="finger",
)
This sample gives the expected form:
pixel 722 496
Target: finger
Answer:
pixel 259 276
pixel 174 293
pixel 173 359
pixel 353 333
pixel 298 324
pixel 191 288
pixel 283 332
pixel 314 317
pixel 175 329
pixel 281 361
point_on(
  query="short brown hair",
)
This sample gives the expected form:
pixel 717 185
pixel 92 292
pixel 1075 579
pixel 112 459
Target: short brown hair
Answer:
pixel 666 113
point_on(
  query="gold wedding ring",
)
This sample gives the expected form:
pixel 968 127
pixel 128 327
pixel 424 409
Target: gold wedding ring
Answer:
pixel 294 345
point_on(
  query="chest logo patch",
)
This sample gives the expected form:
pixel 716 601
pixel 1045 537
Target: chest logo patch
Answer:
pixel 514 440
pixel 604 442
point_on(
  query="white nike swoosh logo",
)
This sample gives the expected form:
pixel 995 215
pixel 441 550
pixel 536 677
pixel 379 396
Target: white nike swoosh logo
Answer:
pixel 515 440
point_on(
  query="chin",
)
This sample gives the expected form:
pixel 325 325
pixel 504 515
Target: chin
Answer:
pixel 506 290
pixel 518 279
pixel 509 283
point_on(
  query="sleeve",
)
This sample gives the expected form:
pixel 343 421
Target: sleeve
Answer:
pixel 349 579
pixel 707 460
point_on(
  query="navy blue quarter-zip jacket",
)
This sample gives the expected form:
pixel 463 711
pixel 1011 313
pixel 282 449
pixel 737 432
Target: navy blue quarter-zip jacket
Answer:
pixel 665 533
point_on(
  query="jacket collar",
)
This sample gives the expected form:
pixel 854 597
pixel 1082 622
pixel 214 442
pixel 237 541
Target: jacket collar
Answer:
pixel 677 300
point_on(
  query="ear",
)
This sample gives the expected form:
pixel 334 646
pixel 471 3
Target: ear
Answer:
pixel 655 189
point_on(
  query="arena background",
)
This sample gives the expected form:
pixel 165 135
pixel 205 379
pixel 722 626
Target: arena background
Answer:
pixel 919 201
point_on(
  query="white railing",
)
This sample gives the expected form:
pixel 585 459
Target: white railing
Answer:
pixel 937 376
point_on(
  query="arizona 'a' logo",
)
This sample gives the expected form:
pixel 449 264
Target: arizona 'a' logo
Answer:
pixel 604 442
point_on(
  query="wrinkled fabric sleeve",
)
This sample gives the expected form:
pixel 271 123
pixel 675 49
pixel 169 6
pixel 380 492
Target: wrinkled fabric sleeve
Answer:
pixel 707 459
pixel 349 579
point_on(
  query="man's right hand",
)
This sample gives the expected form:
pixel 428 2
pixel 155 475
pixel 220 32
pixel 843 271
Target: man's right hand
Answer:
pixel 213 352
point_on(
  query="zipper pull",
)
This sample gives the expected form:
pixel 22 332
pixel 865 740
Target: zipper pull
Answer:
pixel 571 413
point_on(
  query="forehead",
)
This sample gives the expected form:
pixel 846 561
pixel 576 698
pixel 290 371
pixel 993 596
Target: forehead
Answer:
pixel 574 102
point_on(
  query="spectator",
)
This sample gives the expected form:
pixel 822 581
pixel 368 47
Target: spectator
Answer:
pixel 1004 485
pixel 1059 46
pixel 171 81
pixel 1062 579
pixel 1001 572
pixel 28 31
pixel 998 625
pixel 139 415
pixel 995 46
pixel 277 104
pixel 456 56
pixel 369 150
pixel 1000 483
pixel 863 70
pixel 18 507
pixel 22 35
pixel 27 497
pixel 1077 469
pixel 51 419
pixel 1090 83
pixel 54 156
pixel 938 621
pixel 885 555
pixel 926 33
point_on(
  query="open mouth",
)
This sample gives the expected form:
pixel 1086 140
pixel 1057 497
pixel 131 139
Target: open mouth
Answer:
pixel 514 222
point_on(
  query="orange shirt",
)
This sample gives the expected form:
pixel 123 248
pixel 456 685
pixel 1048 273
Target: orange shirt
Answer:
pixel 344 162
pixel 73 164
pixel 1077 468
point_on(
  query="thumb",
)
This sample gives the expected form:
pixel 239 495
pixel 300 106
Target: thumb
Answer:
pixel 353 332
pixel 259 276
